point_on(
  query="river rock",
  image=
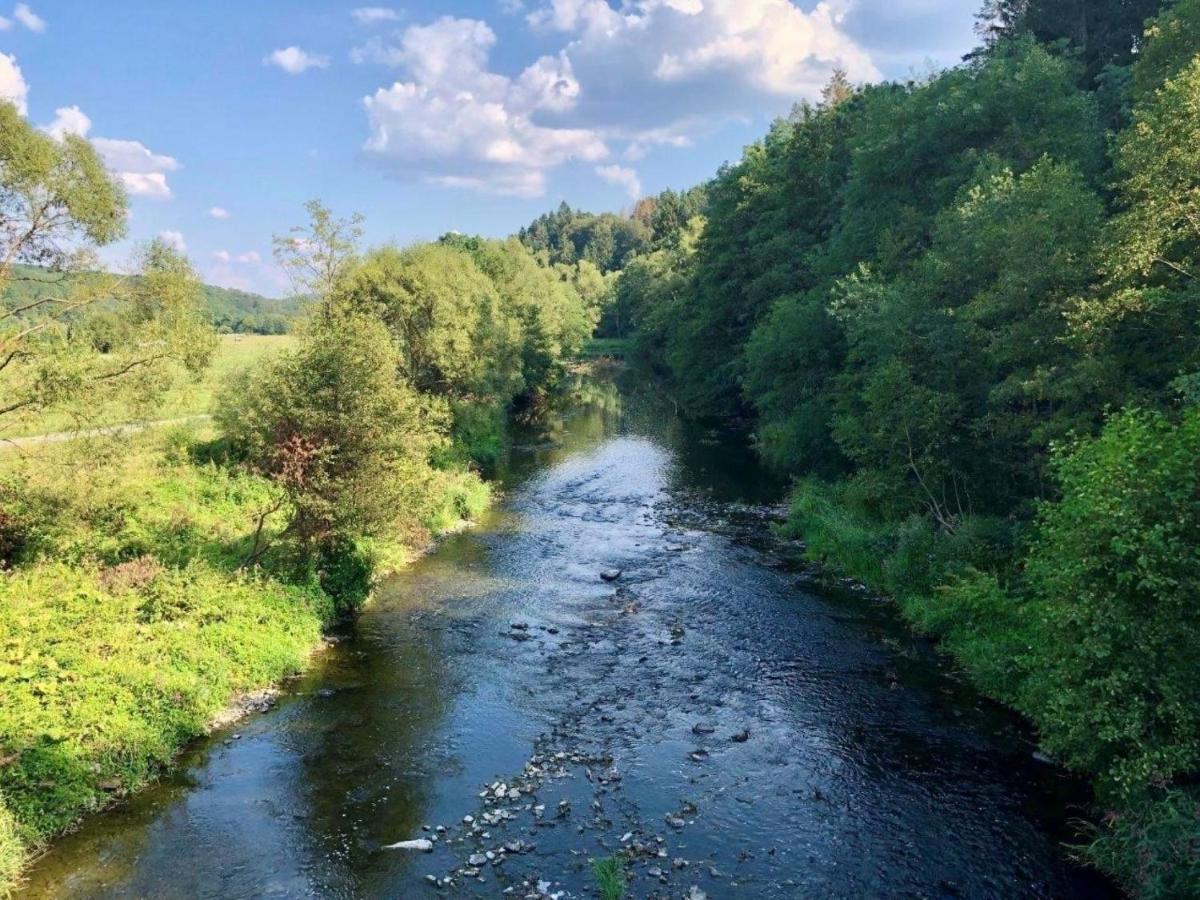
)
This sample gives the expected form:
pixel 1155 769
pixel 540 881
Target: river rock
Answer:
pixel 674 821
pixel 610 574
pixel 424 845
pixel 477 859
pixel 703 728
pixel 741 737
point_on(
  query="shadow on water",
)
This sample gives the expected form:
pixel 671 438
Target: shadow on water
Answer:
pixel 710 713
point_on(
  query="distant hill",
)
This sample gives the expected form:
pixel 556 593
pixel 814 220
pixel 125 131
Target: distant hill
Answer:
pixel 231 311
pixel 241 312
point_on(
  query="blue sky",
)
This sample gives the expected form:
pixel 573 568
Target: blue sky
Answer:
pixel 223 118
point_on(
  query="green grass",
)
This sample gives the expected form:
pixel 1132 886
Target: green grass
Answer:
pixel 235 353
pixel 12 853
pixel 126 624
pixel 611 877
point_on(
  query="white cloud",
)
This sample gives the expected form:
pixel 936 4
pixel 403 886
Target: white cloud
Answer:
pixel 219 212
pixel 622 176
pixel 457 124
pixel 173 239
pixel 250 257
pixel 5 24
pixel 12 83
pixel 294 61
pixel 68 120
pixel 143 172
pixel 373 15
pixel 246 272
pixel 29 18
pixel 692 64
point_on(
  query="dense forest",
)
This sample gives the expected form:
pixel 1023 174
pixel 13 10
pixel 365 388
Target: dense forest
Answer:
pixel 961 313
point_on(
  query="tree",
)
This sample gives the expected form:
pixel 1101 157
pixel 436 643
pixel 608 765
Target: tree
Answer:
pixel 1104 32
pixel 316 256
pixel 453 336
pixel 73 338
pixel 346 442
pixel 553 319
pixel 1115 573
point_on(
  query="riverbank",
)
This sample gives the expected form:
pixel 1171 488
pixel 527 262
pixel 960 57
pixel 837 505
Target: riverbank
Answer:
pixel 131 626
pixel 1014 618
pixel 710 717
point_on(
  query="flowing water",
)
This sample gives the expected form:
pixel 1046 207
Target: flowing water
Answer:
pixel 730 725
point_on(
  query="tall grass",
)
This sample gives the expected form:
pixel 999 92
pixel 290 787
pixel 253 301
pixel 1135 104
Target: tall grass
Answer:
pixel 612 877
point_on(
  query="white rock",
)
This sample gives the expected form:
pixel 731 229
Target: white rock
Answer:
pixel 423 844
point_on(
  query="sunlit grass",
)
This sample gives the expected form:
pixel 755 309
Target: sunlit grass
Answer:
pixel 235 353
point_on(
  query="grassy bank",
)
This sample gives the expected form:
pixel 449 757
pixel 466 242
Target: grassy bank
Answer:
pixel 1082 619
pixel 127 623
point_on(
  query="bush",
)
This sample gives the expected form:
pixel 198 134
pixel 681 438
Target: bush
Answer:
pixel 1154 846
pixel 1115 575
pixel 103 678
pixel 345 572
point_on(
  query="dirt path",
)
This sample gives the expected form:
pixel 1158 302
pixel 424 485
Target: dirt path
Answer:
pixel 58 437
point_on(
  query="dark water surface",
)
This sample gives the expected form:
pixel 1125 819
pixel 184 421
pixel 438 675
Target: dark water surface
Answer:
pixel 867 770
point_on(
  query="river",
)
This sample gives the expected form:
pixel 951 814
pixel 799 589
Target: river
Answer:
pixel 733 726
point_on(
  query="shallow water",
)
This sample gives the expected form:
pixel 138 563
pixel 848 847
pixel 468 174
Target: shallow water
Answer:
pixel 867 769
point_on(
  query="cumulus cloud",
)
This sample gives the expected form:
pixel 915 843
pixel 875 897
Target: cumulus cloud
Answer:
pixel 173 239
pixel 143 172
pixel 12 83
pixel 458 124
pixel 68 120
pixel 295 61
pixel 29 18
pixel 693 63
pixel 622 176
pixel 219 212
pixel 373 15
